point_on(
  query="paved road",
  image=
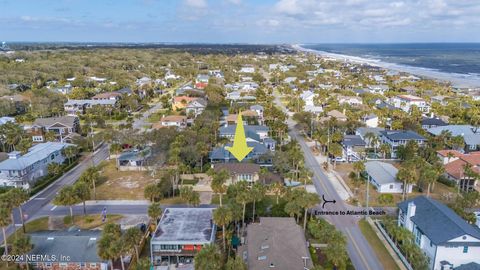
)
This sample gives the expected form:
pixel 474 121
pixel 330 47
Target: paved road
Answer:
pixel 140 123
pixel 43 198
pixel 362 255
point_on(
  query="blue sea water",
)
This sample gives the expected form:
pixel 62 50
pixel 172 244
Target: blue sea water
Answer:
pixel 459 58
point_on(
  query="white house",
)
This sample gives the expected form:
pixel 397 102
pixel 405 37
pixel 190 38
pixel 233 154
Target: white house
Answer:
pixel 308 97
pixel 353 101
pixel 247 69
pixel 406 103
pixel 371 120
pixel 23 170
pixel 5 119
pixel 383 176
pixel 445 238
pixel 378 89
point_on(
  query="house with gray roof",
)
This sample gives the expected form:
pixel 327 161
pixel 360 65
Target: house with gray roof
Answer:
pixel 134 160
pixel 196 107
pixel 77 247
pixel 64 127
pixel 79 106
pixel 383 177
pixel 396 138
pixel 275 243
pixel 180 234
pixel 470 134
pixel 444 237
pixel 23 170
pixel 353 146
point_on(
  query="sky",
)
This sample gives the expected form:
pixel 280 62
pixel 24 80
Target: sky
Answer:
pixel 241 21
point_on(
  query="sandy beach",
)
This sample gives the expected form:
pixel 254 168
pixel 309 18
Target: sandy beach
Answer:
pixel 457 80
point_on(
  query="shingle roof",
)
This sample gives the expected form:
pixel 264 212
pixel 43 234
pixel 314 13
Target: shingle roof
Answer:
pixel 353 140
pixel 276 241
pixel 81 246
pixel 383 173
pixel 468 266
pixel 438 222
pixel 34 154
pixel 455 130
pixel 67 120
pixel 427 121
pixel 222 153
pixel 236 168
pixel 401 135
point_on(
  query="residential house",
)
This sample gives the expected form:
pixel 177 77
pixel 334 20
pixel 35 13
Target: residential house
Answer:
pixel 261 153
pixel 370 120
pixel 107 96
pixel 337 115
pixel 352 101
pixel 216 73
pixel 247 69
pixel 377 89
pixel 258 109
pixel 442 100
pixel 201 81
pixel 363 131
pixel 409 90
pixel 248 172
pixel 134 160
pixel 290 79
pixel 239 96
pixel 66 89
pixel 79 106
pixel 177 121
pixel 64 128
pixel 383 177
pixel 407 102
pixel 444 237
pixel 6 119
pixel 196 107
pixel 74 249
pixel 180 102
pixel 256 132
pixel 396 138
pixel 431 122
pixel 308 97
pixel 455 163
pixel 275 243
pixel 353 147
pixel 470 134
pixel 23 170
pixel 181 233
pixel 143 81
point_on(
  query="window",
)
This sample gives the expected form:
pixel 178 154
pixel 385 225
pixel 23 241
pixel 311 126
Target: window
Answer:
pixel 93 265
pixel 465 249
pixel 391 186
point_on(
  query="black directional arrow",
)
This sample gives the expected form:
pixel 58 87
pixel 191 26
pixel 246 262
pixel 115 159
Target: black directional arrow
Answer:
pixel 326 201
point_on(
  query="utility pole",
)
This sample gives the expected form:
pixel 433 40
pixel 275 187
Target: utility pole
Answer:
pixel 93 144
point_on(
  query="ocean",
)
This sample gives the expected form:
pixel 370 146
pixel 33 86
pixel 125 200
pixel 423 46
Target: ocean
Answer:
pixel 454 61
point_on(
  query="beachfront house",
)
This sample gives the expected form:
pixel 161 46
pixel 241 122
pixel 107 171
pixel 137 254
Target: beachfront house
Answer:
pixel 443 236
pixel 407 102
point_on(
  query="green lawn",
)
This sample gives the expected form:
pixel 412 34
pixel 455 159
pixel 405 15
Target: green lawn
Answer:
pixel 382 253
pixel 89 221
pixel 32 226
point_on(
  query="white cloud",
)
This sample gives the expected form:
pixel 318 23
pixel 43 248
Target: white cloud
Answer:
pixel 235 2
pixel 196 3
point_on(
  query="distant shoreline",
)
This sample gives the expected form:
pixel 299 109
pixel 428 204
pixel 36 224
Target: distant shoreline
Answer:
pixel 457 80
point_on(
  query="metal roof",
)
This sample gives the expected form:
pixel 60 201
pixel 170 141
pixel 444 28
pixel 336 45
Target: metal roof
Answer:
pixel 383 173
pixel 35 153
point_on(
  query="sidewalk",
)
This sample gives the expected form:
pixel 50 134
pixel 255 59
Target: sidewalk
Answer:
pixel 117 202
pixel 336 180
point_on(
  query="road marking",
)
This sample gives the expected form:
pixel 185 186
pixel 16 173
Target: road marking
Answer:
pixel 357 248
pixel 53 208
pixel 18 225
pixel 40 198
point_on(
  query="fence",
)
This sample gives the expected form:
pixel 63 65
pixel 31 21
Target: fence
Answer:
pixel 392 245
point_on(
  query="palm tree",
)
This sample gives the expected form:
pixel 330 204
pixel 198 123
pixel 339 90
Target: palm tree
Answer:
pixel 218 183
pixel 91 177
pixel 257 193
pixel 104 248
pixel 243 197
pixel 335 150
pixel 5 221
pixel 155 212
pixel 308 201
pixel 385 149
pixel 202 150
pixel 235 263
pixel 18 197
pixel 336 251
pixel 222 217
pixel 359 167
pixel 131 240
pixel 209 258
pixel 115 149
pixel 67 197
pixel 278 189
pixel 22 245
pixel 83 193
pixel 70 152
pixel 408 175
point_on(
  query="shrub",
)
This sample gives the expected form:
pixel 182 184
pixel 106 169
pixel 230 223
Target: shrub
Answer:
pixel 385 199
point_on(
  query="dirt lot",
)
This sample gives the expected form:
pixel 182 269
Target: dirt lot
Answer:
pixel 440 191
pixel 117 185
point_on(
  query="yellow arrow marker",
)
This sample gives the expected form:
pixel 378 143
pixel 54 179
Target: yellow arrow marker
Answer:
pixel 240 148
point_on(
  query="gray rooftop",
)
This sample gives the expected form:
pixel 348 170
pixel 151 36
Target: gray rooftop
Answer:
pixel 67 120
pixel 135 155
pixel 395 135
pixel 468 266
pixel 383 173
pixel 186 226
pixel 353 140
pixel 277 242
pixel 455 130
pixel 35 153
pixel 81 246
pixel 438 222
pixel 91 102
